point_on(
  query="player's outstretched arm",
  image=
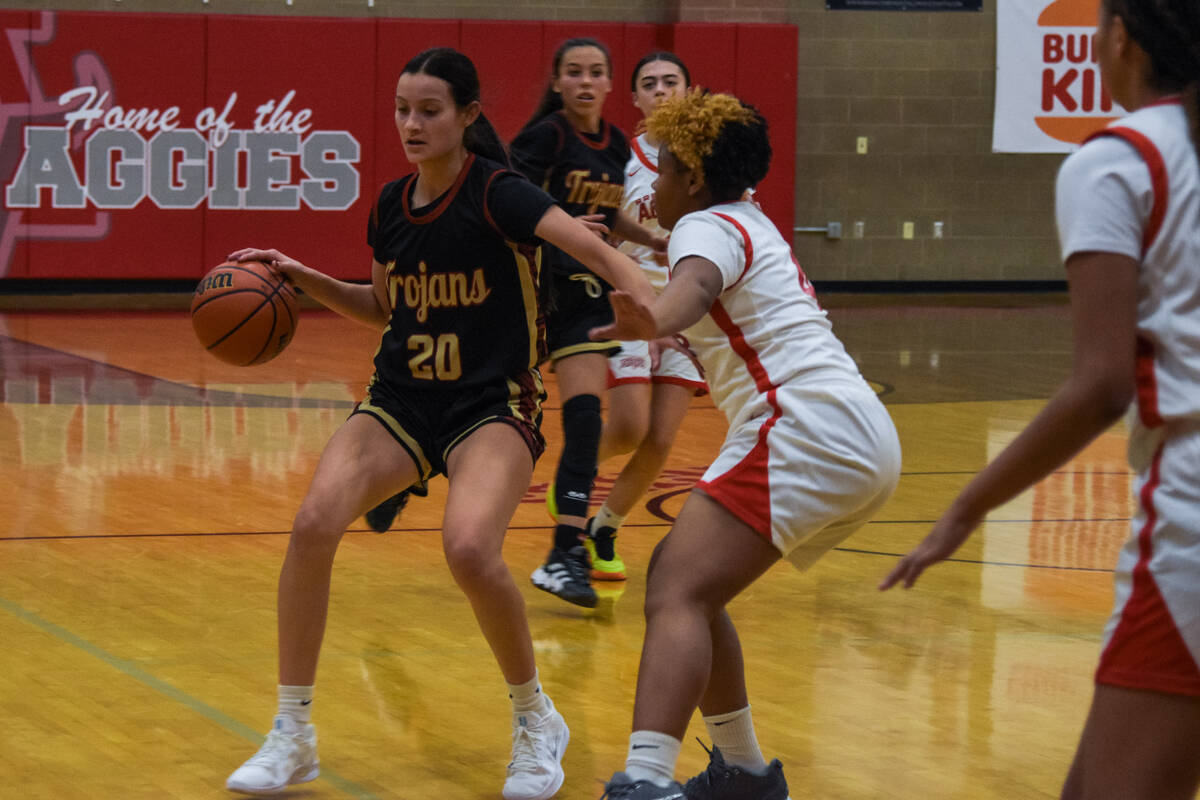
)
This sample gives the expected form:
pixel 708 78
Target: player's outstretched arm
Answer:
pixel 573 237
pixel 1097 393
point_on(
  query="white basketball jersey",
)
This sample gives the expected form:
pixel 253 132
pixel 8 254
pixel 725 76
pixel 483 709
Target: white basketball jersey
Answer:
pixel 640 173
pixel 1135 190
pixel 765 328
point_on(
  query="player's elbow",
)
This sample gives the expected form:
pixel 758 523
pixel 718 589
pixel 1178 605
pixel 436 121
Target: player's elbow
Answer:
pixel 1110 394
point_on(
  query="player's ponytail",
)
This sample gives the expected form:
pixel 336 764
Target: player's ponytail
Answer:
pixel 482 140
pixel 551 100
pixel 459 72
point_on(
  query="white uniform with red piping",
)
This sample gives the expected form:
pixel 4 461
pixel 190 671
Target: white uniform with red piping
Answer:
pixel 632 363
pixel 811 453
pixel 1134 190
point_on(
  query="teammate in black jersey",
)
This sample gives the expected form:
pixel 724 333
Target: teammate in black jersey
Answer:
pixel 455 278
pixel 579 158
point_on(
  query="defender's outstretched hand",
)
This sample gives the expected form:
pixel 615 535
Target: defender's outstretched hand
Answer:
pixel 947 535
pixel 631 320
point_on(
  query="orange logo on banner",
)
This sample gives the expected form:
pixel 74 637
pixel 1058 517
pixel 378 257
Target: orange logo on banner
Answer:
pixel 1070 76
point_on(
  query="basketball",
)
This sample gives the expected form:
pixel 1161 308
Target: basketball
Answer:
pixel 244 312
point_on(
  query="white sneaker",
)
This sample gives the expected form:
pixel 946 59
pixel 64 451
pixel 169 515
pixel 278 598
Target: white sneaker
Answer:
pixel 539 741
pixel 289 755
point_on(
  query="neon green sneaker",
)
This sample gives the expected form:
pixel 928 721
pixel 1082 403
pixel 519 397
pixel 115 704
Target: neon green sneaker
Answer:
pixel 604 569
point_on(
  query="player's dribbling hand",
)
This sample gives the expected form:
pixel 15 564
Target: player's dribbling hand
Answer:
pixel 632 320
pixel 947 535
pixel 273 258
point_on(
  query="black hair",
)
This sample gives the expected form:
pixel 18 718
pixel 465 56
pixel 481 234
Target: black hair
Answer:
pixel 1169 32
pixel 459 72
pixel 551 100
pixel 739 159
pixel 659 55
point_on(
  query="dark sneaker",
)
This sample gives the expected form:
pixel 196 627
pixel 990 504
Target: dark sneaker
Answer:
pixel 381 517
pixel 622 787
pixel 723 781
pixel 601 544
pixel 565 574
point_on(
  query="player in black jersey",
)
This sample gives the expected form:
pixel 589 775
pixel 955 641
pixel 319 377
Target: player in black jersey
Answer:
pixel 455 276
pixel 579 158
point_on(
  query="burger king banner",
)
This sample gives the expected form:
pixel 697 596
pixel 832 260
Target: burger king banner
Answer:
pixel 1049 97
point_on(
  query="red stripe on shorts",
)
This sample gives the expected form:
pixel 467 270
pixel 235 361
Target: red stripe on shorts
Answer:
pixel 1146 650
pixel 745 490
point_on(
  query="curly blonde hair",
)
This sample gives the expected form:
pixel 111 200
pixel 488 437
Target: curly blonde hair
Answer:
pixel 720 138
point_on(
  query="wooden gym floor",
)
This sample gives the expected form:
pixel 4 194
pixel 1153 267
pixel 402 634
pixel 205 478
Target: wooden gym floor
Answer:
pixel 150 490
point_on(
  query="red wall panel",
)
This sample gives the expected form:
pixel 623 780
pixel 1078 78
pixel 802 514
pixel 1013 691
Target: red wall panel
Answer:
pixel 17 101
pixel 339 94
pixel 512 73
pixel 766 77
pixel 306 134
pixel 398 41
pixel 70 235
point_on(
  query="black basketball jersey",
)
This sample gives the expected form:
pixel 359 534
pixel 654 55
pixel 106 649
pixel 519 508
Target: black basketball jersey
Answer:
pixel 583 172
pixel 462 279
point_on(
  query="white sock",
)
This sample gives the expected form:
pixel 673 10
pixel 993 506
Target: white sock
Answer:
pixel 527 696
pixel 652 756
pixel 295 703
pixel 605 518
pixel 734 734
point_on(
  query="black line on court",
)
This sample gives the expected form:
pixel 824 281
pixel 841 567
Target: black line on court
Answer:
pixel 539 528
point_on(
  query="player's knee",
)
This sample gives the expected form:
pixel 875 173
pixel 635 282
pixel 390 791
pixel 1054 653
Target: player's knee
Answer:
pixel 624 435
pixel 314 534
pixel 470 562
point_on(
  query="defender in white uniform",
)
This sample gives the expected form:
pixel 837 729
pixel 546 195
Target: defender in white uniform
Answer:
pixel 650 386
pixel 810 455
pixel 1128 210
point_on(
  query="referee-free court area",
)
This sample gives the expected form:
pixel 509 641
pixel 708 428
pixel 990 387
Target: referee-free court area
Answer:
pixel 151 488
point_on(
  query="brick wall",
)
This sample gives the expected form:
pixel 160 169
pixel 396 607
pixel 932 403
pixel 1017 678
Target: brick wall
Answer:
pixel 917 86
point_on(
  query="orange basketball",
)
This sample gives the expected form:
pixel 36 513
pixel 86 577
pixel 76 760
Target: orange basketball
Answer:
pixel 244 312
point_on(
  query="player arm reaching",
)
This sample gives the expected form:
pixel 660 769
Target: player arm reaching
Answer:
pixel 363 303
pixel 573 237
pixel 1103 288
pixel 694 286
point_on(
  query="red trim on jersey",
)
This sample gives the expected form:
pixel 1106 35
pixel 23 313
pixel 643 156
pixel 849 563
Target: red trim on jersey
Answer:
pixel 746 243
pixel 487 213
pixel 805 284
pixel 614 381
pixel 1146 650
pixel 1169 100
pixel 447 199
pixel 1158 177
pixel 1147 384
pixel 605 134
pixel 745 489
pixel 737 341
pixel 641 156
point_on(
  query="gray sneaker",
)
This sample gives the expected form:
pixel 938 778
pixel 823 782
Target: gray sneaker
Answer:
pixel 723 781
pixel 623 787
